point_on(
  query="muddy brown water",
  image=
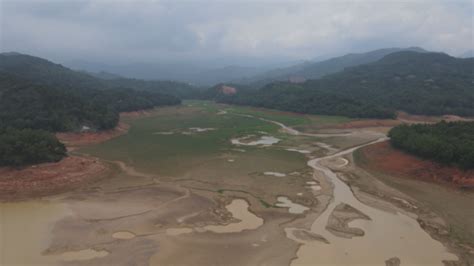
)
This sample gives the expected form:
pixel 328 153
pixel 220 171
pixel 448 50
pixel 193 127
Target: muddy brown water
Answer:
pixel 386 234
pixel 26 230
pixel 239 209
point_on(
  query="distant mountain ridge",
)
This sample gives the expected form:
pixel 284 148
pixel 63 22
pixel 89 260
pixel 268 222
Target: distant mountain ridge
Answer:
pixel 467 54
pixel 198 75
pixel 315 70
pixel 418 83
pixel 41 71
pixel 38 94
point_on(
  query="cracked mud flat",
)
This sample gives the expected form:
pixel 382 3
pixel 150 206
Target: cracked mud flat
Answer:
pixel 165 222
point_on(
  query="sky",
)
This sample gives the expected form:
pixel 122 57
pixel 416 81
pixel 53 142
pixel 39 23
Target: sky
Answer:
pixel 229 30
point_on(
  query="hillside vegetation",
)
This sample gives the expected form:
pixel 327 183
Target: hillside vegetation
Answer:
pixel 38 97
pixel 315 70
pixel 38 70
pixel 418 83
pixel 447 143
pixel 27 146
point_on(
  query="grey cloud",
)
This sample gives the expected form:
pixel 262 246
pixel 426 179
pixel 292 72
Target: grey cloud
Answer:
pixel 149 30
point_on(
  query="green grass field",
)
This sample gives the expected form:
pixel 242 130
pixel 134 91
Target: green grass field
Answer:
pixel 177 153
pixel 208 160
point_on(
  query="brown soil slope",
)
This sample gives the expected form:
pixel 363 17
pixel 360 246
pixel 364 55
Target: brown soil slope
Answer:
pixel 73 140
pixel 76 139
pixel 48 178
pixel 381 157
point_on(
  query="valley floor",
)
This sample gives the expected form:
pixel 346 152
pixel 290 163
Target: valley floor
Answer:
pixel 210 184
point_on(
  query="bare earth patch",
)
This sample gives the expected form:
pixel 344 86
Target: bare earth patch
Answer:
pixel 48 178
pixel 342 215
pixel 383 158
pixel 367 124
pixel 409 118
pixel 76 139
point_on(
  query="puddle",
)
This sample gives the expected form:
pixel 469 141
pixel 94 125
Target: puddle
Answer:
pixel 230 160
pixel 123 235
pixel 240 210
pixel 300 151
pixel 292 207
pixel 223 112
pixel 25 231
pixel 85 254
pixel 178 231
pixel 263 140
pixel 275 174
pixel 164 133
pixel 313 185
pixel 200 129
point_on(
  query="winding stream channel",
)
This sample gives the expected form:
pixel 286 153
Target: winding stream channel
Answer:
pixel 387 234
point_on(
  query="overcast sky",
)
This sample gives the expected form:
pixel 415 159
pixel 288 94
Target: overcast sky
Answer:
pixel 146 30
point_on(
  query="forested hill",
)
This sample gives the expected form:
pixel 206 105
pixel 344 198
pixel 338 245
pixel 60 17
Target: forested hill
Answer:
pixel 419 83
pixel 38 97
pixel 41 71
pixel 315 70
pixel 36 93
pixel 448 143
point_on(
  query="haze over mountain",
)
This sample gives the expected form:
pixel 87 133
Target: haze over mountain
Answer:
pixel 197 73
pixel 314 70
pixel 419 83
pixel 41 71
pixel 467 54
pixel 257 76
pixel 183 41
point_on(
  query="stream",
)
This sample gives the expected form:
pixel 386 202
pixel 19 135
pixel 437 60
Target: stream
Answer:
pixel 26 228
pixel 387 234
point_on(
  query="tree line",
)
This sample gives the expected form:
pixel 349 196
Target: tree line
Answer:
pixel 418 83
pixel 445 142
pixel 31 112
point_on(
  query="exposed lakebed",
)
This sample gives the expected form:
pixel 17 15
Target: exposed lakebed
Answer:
pixel 197 198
